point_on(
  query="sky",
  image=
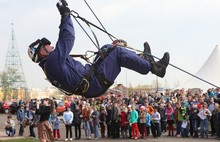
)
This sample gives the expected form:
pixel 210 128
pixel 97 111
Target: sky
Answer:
pixel 187 29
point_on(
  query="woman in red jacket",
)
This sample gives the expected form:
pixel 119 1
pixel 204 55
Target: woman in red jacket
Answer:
pixel 124 121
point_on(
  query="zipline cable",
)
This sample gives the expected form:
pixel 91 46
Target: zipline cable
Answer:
pixel 178 68
pixel 110 35
pixel 97 19
pixel 85 31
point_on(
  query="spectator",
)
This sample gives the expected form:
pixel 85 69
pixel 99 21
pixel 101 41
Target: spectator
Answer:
pixel 86 114
pixel 170 119
pixel 204 113
pixel 214 118
pixel 45 131
pixel 108 121
pixel 218 127
pixel 193 118
pixel 148 122
pixel 133 122
pixel 182 118
pixel 67 119
pixel 115 123
pixel 163 121
pixel 10 126
pixel 124 122
pixel 142 121
pixel 56 125
pixel 156 126
pixel 30 115
pixel 77 122
pixel 95 119
pixel 102 119
pixel 211 107
pixel 21 119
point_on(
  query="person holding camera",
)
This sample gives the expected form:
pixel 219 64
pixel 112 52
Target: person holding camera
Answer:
pixel 45 131
pixel 204 115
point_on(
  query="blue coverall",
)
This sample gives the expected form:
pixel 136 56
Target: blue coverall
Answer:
pixel 65 72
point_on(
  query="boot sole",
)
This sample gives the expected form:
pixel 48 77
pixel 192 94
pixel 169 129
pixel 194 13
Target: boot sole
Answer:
pixel 147 52
pixel 166 60
pixel 147 47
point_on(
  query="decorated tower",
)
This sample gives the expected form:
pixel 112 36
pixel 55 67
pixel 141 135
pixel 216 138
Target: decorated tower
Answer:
pixel 15 78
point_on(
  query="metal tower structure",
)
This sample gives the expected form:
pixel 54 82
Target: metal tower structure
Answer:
pixel 13 65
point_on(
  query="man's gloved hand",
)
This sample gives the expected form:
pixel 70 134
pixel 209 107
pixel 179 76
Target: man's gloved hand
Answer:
pixel 119 42
pixel 62 7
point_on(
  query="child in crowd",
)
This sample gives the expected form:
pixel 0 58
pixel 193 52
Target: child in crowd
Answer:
pixel 10 126
pixel 68 118
pixel 148 122
pixel 133 122
pixel 124 120
pixel 56 125
pixel 156 126
pixel 170 119
pixel 142 121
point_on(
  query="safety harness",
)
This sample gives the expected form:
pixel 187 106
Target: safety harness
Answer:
pixel 83 86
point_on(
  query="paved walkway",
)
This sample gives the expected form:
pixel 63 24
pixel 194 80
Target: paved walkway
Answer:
pixel 3 136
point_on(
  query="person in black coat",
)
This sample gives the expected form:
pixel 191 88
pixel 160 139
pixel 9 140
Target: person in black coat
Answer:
pixel 77 122
pixel 193 118
pixel 108 120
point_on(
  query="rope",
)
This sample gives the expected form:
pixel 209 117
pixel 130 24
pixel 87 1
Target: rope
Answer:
pixel 110 35
pixel 97 18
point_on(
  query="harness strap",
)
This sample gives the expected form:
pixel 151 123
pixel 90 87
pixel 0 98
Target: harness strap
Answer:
pixel 83 86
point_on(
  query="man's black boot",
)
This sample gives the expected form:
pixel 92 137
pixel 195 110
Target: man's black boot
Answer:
pixel 159 67
pixel 147 53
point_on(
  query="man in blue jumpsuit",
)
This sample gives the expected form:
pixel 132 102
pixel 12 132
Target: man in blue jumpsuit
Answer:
pixel 72 77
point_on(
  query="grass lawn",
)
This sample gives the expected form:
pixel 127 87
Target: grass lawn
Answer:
pixel 21 140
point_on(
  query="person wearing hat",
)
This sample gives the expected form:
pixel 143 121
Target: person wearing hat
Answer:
pixel 21 119
pixel 72 77
pixel 142 121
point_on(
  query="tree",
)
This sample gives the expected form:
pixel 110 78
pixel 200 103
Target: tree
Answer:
pixel 9 79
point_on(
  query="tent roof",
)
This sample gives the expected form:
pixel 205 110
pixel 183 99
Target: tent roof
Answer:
pixel 210 71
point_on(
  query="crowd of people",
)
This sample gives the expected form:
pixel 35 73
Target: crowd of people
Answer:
pixel 139 116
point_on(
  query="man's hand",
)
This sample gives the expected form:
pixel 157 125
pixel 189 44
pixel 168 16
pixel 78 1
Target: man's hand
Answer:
pixel 62 7
pixel 119 42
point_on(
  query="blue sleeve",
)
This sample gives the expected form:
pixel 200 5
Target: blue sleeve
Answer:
pixel 66 39
pixel 18 115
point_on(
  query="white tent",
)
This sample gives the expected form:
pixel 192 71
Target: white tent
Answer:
pixel 210 71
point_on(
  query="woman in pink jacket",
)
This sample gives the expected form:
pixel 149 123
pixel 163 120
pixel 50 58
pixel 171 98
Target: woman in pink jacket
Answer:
pixel 170 118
